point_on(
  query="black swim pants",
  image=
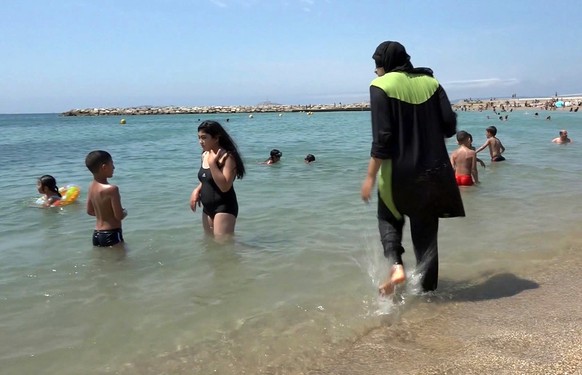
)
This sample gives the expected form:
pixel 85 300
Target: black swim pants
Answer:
pixel 106 238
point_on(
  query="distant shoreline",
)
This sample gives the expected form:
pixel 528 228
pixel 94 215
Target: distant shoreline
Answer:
pixel 183 110
pixel 547 103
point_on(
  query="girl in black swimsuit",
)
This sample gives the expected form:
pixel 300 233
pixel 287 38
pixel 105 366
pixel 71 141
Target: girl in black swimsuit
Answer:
pixel 221 165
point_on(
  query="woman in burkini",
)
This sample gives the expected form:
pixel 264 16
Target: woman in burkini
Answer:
pixel 221 164
pixel 47 186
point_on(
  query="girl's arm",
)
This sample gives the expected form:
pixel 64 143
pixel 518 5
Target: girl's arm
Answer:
pixel 224 177
pixel 195 197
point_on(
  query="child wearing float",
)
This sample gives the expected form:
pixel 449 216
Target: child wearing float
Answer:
pixel 47 186
pixel 464 161
pixel 495 146
pixel 104 200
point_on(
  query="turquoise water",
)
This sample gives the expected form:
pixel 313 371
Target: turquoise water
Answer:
pixel 300 278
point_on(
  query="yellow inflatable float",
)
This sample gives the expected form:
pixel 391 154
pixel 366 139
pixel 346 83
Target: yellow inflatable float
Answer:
pixel 69 194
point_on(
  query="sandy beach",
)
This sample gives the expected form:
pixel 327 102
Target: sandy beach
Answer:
pixel 567 104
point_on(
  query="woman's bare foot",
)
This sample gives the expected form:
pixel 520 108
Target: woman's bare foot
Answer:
pixel 395 277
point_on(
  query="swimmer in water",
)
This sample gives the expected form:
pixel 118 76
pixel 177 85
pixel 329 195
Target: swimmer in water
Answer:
pixel 563 138
pixel 274 157
pixel 47 186
pixel 495 146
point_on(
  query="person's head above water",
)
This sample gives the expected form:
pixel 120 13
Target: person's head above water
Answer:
pixel 212 137
pixel 95 160
pixel 491 131
pixel 274 157
pixel 276 153
pixel 47 182
pixel 219 134
pixel 463 138
pixel 309 158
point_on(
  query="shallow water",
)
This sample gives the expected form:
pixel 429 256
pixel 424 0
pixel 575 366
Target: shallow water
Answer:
pixel 301 276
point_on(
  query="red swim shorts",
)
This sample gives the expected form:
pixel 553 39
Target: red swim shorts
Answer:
pixel 464 180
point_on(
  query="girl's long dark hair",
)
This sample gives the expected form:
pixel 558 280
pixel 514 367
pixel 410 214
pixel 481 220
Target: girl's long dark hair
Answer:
pixel 215 130
pixel 49 182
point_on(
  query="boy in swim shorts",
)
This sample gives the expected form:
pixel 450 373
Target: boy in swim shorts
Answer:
pixel 104 200
pixel 464 161
pixel 495 146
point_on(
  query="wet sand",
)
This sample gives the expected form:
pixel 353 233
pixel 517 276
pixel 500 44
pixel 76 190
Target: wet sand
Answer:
pixel 506 324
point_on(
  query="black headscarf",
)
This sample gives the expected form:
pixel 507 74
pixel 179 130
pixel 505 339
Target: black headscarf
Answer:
pixel 392 57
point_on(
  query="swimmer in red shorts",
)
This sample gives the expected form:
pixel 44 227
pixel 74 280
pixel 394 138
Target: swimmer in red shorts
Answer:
pixel 464 161
pixel 464 180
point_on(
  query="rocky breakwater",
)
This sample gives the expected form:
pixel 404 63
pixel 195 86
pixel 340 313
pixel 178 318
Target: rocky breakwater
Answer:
pixel 179 110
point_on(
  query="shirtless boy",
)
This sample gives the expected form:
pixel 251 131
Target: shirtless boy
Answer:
pixel 494 144
pixel 104 201
pixel 464 161
pixel 563 138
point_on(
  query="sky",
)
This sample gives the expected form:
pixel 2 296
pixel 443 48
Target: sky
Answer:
pixel 73 54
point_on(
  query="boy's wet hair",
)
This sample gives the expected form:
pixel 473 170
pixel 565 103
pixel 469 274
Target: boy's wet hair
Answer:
pixel 462 136
pixel 276 153
pixel 492 130
pixel 95 159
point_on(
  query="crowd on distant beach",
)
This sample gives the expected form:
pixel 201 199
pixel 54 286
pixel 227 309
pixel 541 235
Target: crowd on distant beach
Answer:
pixel 570 104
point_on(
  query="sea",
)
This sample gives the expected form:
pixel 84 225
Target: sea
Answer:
pixel 299 282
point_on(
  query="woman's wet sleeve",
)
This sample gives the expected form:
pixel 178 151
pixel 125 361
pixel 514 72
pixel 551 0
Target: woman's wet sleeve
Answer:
pixel 381 125
pixel 449 117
